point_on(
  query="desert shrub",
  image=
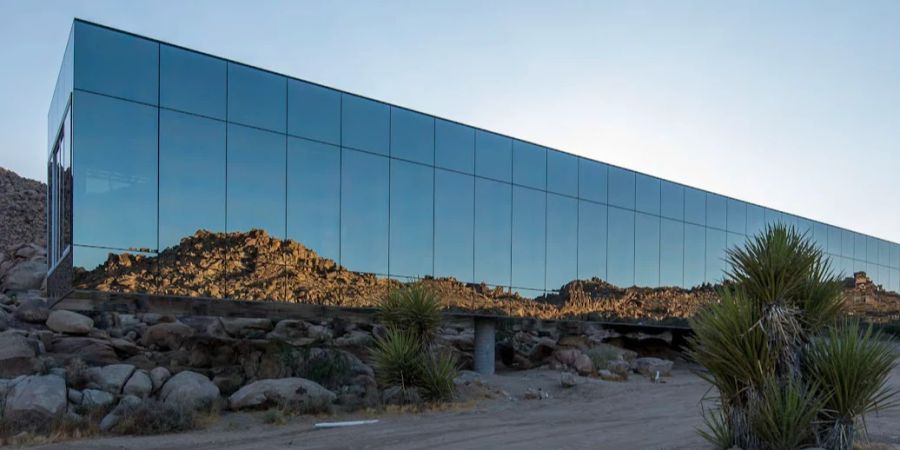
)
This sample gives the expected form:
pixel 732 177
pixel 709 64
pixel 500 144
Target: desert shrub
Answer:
pixel 274 416
pixel 439 369
pixel 774 349
pixel 415 308
pixel 601 356
pixel 77 373
pixel 330 369
pixel 397 358
pixel 155 417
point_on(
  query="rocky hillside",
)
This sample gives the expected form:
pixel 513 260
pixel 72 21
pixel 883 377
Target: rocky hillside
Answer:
pixel 22 215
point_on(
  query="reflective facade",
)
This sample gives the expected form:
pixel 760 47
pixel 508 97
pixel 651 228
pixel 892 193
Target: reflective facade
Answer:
pixel 197 176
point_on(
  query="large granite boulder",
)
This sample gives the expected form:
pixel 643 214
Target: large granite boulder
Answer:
pixel 112 378
pixel 189 388
pixel 167 335
pixel 17 356
pixel 304 393
pixel 25 275
pixel 63 321
pixel 36 399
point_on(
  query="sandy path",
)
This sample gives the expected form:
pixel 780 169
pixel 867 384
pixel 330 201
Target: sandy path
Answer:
pixel 595 414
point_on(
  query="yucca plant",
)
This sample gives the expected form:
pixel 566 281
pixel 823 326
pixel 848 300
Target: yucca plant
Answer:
pixel 397 358
pixel 437 376
pixel 773 349
pixel 415 308
pixel 855 363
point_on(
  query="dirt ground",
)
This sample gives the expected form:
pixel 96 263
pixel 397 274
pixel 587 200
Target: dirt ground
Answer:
pixel 595 414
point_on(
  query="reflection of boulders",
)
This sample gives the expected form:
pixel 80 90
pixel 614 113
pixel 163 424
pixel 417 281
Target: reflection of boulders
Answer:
pixel 22 216
pixel 864 298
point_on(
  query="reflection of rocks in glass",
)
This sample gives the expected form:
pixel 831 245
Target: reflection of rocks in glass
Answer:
pixel 864 298
pixel 255 266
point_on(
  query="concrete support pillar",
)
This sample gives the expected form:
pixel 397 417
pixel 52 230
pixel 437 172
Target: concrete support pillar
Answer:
pixel 485 338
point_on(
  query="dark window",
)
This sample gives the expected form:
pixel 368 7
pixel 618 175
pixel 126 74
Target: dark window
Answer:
pixel 592 180
pixel 454 217
pixel 562 173
pixel 116 64
pixel 454 146
pixel 671 253
pixel 562 240
pixel 646 250
pixel 365 194
pixel 191 82
pixel 115 192
pixel 529 165
pixel 493 240
pixel 314 196
pixel 366 124
pixel 257 98
pixel 314 112
pixel 672 200
pixel 620 260
pixel 256 184
pixel 529 237
pixel 592 235
pixel 191 176
pixel 412 214
pixel 621 187
pixel 493 156
pixel 412 136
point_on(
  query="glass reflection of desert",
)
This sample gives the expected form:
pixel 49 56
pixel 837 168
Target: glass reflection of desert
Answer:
pixel 255 266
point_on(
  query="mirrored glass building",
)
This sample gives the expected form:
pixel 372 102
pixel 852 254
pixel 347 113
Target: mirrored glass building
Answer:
pixel 173 172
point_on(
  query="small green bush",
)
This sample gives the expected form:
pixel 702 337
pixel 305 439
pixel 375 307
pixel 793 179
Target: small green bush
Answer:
pixel 601 356
pixel 397 358
pixel 437 375
pixel 414 308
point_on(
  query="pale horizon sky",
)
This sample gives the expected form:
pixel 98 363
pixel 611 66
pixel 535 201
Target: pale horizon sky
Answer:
pixel 795 106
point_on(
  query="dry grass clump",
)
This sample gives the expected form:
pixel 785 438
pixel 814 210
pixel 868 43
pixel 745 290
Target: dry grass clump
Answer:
pixel 156 417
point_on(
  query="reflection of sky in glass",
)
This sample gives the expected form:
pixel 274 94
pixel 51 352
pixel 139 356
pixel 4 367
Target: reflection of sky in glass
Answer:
pixel 671 253
pixel 737 216
pixel 454 218
pixel 646 250
pixel 621 188
pixel 116 64
pixel 529 238
pixel 715 211
pixel 493 207
pixel 114 198
pixel 493 156
pixel 256 180
pixel 647 194
pixel 191 176
pixel 314 112
pixel 365 124
pixel 256 98
pixel 529 165
pixel 192 82
pixel 562 240
pixel 412 215
pixel 756 220
pixel 412 136
pixel 620 261
pixel 592 180
pixel 314 196
pixel 694 255
pixel 454 146
pixel 694 206
pixel 365 194
pixel 715 254
pixel 591 240
pixel 561 170
pixel 671 200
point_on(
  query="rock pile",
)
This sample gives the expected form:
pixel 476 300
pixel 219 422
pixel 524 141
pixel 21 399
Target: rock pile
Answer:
pixel 22 214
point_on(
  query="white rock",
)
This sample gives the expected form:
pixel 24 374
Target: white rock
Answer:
pixel 189 388
pixel 36 397
pixel 95 397
pixel 139 385
pixel 63 321
pixel 159 376
pixel 111 378
pixel 281 390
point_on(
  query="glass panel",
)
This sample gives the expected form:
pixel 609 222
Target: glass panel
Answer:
pixel 895 280
pixel 314 197
pixel 412 136
pixel 562 173
pixel 591 240
pixel 529 165
pixel 734 240
pixel 871 249
pixel 109 270
pixel 412 219
pixel 454 146
pixel 621 187
pixel 493 240
pixel 895 256
pixel 694 255
pixel 562 240
pixel 529 237
pixel 672 200
pixel 694 206
pixel 834 240
pixel 257 98
pixel 366 124
pixel 493 156
pixel 671 253
pixel 191 176
pixel 715 255
pixel 715 211
pixel 647 197
pixel 256 186
pixel 820 235
pixel 249 281
pixel 773 217
pixel 454 218
pixel 884 253
pixel 737 216
pixel 115 193
pixel 314 112
pixel 847 243
pixel 859 246
pixel 756 220
pixel 620 261
pixel 804 226
pixel 592 180
pixel 646 250
pixel 191 82
pixel 117 64
pixel 365 192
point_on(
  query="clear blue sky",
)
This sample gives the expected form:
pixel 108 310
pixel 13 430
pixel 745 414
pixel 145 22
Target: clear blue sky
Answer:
pixel 793 105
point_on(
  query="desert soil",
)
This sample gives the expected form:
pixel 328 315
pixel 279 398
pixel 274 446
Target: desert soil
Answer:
pixel 595 414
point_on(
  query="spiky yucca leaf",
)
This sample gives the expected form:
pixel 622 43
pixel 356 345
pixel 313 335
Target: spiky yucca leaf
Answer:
pixel 718 432
pixel 415 308
pixel 782 415
pixel 437 376
pixel 397 358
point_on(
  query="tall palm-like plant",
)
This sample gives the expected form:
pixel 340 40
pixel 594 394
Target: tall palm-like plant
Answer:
pixel 760 341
